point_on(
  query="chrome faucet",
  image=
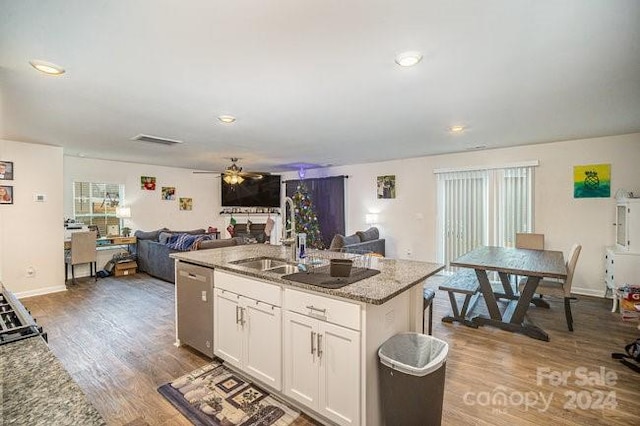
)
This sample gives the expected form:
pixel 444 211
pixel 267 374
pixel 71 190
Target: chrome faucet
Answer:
pixel 289 235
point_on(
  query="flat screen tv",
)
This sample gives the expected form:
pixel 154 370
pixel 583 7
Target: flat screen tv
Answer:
pixel 263 192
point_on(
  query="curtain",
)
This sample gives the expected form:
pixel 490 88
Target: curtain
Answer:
pixel 327 196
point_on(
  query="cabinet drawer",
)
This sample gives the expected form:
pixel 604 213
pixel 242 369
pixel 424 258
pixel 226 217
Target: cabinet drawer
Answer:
pixel 249 287
pixel 316 306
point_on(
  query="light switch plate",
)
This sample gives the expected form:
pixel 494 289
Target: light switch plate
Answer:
pixel 40 198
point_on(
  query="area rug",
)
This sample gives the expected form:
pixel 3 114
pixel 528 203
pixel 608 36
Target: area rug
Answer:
pixel 215 395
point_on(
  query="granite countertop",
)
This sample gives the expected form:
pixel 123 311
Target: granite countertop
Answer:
pixel 395 277
pixel 37 390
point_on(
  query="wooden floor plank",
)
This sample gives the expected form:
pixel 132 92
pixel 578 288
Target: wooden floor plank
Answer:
pixel 116 337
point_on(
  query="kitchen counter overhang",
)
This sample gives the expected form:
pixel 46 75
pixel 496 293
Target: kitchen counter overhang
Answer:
pixel 396 276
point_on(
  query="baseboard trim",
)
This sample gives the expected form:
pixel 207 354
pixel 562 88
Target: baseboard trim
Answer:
pixel 40 291
pixel 588 292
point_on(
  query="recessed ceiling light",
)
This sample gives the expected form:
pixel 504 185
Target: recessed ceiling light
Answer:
pixel 457 129
pixel 408 59
pixel 227 118
pixel 47 67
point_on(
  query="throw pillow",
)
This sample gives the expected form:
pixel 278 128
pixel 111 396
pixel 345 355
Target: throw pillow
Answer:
pixel 340 241
pixel 369 235
pixel 163 238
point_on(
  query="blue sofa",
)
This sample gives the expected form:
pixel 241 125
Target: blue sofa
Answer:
pixel 360 242
pixel 153 252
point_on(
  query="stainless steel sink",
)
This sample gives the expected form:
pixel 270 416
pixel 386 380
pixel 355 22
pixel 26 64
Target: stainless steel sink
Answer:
pixel 269 264
pixel 262 263
pixel 284 269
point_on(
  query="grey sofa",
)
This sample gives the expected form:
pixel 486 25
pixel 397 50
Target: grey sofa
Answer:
pixel 361 241
pixel 153 252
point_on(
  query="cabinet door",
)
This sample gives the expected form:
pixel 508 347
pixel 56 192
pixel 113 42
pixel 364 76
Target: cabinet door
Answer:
pixel 339 368
pixel 300 361
pixel 227 337
pixel 263 337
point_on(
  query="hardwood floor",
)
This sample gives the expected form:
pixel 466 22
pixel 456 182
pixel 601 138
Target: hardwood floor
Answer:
pixel 115 337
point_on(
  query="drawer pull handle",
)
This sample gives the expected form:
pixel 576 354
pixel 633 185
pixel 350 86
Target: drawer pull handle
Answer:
pixel 319 345
pixel 313 308
pixel 313 338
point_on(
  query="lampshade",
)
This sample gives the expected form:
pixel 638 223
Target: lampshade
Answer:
pixel 123 212
pixel 371 218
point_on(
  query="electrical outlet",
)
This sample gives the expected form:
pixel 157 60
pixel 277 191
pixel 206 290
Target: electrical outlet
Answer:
pixel 31 272
pixel 408 252
pixel 204 296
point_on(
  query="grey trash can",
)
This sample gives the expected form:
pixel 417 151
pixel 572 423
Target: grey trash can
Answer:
pixel 412 369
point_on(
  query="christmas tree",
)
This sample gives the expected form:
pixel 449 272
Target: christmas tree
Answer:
pixel 306 219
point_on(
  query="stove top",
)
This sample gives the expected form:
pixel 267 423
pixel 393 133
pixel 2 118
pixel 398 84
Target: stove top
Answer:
pixel 15 321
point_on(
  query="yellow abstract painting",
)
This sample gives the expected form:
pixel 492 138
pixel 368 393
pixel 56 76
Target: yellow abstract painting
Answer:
pixel 592 181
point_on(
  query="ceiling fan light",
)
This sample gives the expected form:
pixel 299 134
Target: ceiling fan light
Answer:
pixel 233 179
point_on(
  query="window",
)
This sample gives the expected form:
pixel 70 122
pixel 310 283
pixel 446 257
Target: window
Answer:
pixel 483 207
pixel 95 204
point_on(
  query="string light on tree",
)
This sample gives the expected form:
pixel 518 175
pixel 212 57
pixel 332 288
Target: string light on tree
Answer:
pixel 306 219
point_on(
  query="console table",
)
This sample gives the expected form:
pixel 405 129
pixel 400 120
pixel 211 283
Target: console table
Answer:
pixel 108 242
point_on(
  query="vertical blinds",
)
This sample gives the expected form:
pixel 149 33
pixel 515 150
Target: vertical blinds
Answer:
pixel 483 207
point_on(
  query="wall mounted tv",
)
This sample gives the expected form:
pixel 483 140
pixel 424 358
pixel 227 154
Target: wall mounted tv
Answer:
pixel 263 192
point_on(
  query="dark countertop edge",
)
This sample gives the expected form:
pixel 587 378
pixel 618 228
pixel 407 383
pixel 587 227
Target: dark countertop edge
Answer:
pixel 276 278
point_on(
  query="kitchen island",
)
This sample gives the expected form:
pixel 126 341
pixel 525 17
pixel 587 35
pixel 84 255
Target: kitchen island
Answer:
pixel 315 346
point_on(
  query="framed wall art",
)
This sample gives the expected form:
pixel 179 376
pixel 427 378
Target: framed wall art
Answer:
pixel 148 183
pixel 592 181
pixel 186 203
pixel 6 170
pixel 386 186
pixel 6 194
pixel 168 193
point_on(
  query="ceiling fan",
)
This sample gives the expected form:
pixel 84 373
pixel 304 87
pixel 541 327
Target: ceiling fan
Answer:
pixel 234 175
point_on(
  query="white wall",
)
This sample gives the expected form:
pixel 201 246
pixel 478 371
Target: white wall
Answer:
pixel 31 233
pixel 148 210
pixel 409 221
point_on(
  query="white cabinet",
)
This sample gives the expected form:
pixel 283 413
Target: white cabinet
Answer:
pixel 248 327
pixel 621 267
pixel 321 359
pixel 628 224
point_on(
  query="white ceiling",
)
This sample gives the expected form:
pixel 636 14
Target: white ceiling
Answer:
pixel 314 81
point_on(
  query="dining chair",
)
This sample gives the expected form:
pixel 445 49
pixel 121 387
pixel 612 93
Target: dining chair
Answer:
pixel 528 240
pixel 561 288
pixel 83 250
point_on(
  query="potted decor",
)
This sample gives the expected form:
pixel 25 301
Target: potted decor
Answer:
pixel 126 231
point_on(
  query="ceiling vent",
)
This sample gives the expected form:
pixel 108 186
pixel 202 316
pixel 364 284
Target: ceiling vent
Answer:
pixel 155 139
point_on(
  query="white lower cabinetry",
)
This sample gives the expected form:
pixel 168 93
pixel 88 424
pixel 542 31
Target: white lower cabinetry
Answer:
pixel 322 363
pixel 247 332
pixel 317 351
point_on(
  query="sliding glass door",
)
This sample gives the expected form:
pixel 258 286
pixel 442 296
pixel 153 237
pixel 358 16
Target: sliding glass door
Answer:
pixel 482 207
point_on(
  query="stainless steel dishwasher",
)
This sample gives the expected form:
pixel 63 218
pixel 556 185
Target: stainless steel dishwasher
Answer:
pixel 194 303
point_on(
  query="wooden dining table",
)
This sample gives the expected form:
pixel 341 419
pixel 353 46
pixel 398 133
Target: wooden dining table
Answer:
pixel 530 264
